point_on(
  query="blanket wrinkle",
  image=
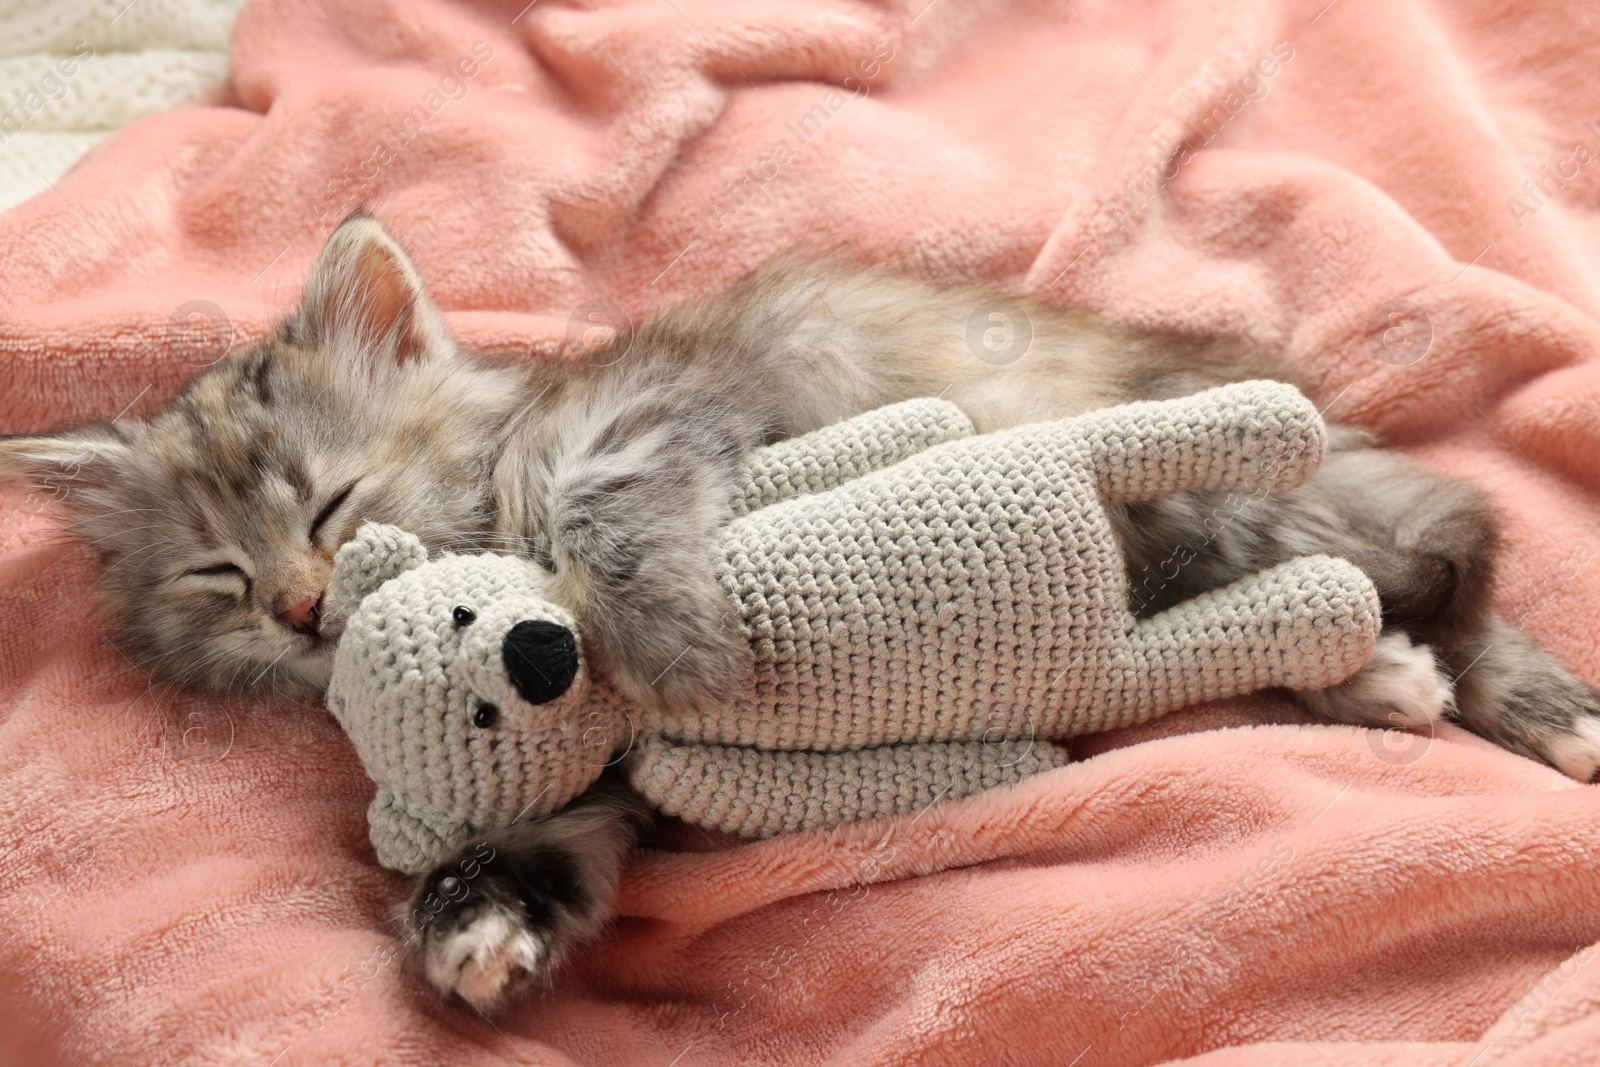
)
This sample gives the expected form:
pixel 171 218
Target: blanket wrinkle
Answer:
pixel 1401 197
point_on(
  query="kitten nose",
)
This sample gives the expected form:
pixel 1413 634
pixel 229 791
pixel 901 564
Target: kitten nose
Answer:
pixel 302 617
pixel 541 658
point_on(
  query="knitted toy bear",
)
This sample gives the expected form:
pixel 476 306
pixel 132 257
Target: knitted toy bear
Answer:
pixel 926 609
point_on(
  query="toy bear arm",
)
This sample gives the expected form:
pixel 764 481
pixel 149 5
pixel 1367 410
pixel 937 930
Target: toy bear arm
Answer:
pixel 1254 438
pixel 833 455
pixel 751 792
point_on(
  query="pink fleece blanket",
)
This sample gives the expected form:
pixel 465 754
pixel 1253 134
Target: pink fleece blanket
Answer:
pixel 1402 196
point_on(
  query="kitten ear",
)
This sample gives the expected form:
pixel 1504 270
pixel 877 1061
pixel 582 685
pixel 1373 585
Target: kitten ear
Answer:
pixel 365 300
pixel 55 464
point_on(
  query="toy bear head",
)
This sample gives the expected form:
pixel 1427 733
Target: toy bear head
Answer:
pixel 463 689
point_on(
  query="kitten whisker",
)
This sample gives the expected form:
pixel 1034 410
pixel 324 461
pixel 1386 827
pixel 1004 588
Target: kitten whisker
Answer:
pixel 268 667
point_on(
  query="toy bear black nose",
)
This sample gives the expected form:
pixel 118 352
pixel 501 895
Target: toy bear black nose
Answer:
pixel 541 658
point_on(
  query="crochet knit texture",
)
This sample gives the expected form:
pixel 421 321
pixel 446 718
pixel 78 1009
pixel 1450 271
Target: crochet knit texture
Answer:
pixel 927 610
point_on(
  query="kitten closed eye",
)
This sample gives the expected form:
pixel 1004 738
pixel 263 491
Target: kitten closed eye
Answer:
pixel 328 511
pixel 230 573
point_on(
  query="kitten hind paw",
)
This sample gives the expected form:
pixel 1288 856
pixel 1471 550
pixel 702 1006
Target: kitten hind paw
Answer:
pixel 1577 754
pixel 1401 686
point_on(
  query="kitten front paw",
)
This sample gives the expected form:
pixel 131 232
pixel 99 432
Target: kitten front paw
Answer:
pixel 711 667
pixel 486 931
pixel 483 952
pixel 501 913
pixel 682 650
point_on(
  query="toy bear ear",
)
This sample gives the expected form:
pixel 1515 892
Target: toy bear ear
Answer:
pixel 377 553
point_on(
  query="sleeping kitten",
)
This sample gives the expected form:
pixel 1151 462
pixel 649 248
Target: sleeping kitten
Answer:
pixel 217 519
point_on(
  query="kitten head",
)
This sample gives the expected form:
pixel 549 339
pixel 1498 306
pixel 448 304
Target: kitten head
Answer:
pixel 217 517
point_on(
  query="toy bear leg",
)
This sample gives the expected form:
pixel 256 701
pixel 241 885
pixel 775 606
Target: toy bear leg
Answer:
pixel 1306 624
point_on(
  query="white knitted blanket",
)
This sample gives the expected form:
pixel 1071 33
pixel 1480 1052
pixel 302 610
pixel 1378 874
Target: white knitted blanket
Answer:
pixel 72 72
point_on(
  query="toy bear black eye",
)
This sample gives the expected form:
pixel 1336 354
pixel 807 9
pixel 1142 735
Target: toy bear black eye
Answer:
pixel 464 616
pixel 485 716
